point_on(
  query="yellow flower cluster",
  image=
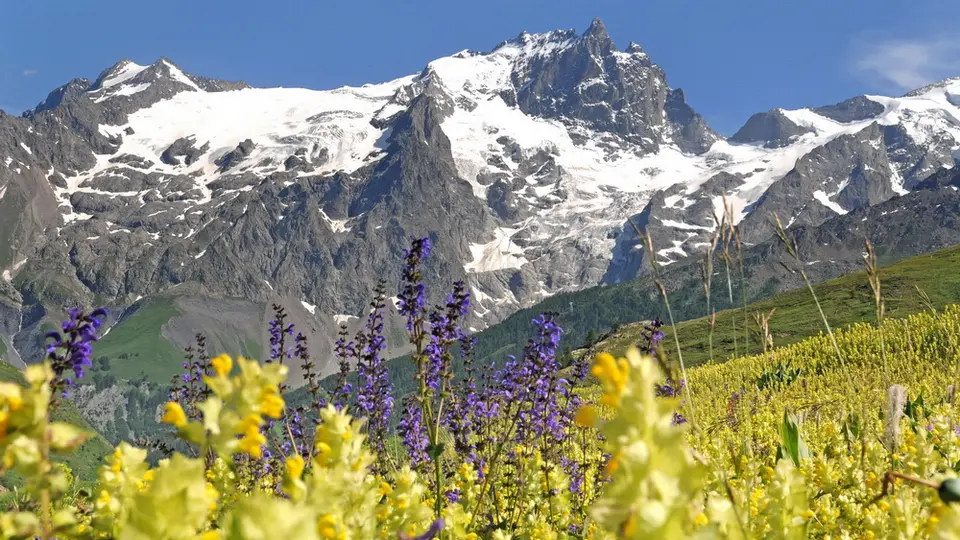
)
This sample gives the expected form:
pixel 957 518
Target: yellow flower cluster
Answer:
pixel 614 374
pixel 237 407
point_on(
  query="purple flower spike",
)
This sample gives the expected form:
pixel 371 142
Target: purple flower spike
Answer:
pixel 412 300
pixel 375 398
pixel 72 350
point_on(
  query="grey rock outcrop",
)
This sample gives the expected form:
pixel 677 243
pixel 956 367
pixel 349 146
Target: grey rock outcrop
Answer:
pixel 233 158
pixel 590 81
pixel 771 128
pixel 852 110
pixel 184 147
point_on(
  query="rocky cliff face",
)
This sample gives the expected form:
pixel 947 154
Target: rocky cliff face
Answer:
pixel 522 163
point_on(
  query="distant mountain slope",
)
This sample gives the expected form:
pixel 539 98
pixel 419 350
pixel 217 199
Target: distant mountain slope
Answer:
pixel 916 224
pixel 522 163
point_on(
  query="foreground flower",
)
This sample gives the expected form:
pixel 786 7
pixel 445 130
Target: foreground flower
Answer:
pixel 654 475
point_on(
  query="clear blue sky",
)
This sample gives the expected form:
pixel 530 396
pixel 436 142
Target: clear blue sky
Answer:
pixel 732 58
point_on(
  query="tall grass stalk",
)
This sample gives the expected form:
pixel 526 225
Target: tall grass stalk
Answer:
pixel 648 244
pixel 729 237
pixel 873 277
pixel 706 274
pixel 763 322
pixel 791 246
pixel 735 233
pixel 725 241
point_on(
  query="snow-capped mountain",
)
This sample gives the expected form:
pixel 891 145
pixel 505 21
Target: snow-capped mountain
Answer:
pixel 523 163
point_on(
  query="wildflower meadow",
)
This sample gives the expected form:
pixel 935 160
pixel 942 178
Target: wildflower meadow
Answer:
pixel 851 434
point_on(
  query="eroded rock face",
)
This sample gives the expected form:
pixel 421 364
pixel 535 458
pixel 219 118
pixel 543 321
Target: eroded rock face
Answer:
pixel 236 156
pixel 846 173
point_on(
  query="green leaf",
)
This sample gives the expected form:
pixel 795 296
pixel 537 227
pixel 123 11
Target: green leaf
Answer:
pixel 852 428
pixel 793 445
pixel 435 451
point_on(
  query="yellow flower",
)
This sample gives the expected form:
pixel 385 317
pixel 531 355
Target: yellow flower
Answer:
pixel 612 465
pixel 700 520
pixel 4 423
pixel 252 445
pixel 252 422
pixel 327 526
pixel 222 364
pixel 613 374
pixel 385 489
pixel 104 498
pixel 252 438
pixel 210 535
pixel 213 495
pixel 629 526
pixel 15 401
pixel 271 404
pixel 174 415
pixel 323 449
pixel 295 466
pixel 586 416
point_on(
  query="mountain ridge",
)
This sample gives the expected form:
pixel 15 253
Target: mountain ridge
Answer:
pixel 522 163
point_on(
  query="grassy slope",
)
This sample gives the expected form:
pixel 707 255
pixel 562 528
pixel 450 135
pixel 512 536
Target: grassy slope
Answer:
pixel 136 347
pixel 844 300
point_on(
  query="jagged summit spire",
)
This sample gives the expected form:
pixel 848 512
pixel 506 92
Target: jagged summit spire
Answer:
pixel 597 29
pixel 596 39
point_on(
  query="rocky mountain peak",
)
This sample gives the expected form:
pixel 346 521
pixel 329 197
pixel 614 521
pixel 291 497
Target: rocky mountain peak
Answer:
pixel 117 73
pixel 951 85
pixel 586 80
pixel 596 34
pixel 69 91
pixel 127 78
pixel 136 85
